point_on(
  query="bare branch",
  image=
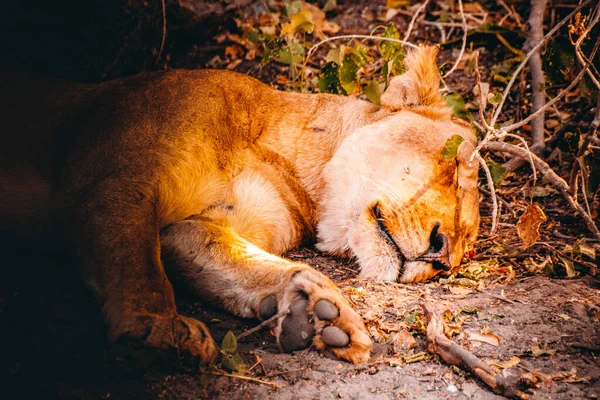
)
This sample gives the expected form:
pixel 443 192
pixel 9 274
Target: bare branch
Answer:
pixel 536 35
pixel 414 18
pixel 348 37
pixel 525 121
pixel 464 39
pixel 528 56
pixel 453 354
pixel 164 31
pixel 549 174
pixel 263 324
pixel 490 183
pixel 580 56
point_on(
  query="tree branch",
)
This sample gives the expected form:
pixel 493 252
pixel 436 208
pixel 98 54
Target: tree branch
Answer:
pixel 535 34
pixel 550 175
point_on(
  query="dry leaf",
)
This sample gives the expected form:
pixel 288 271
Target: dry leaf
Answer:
pixel 488 338
pixel 459 290
pixel 403 341
pixel 512 362
pixel 568 377
pixel 301 22
pixel 529 224
pixel 397 3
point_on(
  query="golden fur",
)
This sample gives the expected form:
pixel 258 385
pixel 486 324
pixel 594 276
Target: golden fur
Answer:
pixel 218 174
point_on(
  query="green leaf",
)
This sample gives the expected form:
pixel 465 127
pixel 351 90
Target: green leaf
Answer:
pixel 272 50
pixel 205 379
pixel 497 171
pixel 292 7
pixel 389 49
pixel 451 147
pixel 459 109
pixel 398 67
pixel 253 36
pixel 494 98
pixel 334 55
pixel 329 79
pixel 300 22
pixel 229 344
pixel 361 56
pixel 373 92
pixel 558 59
pixel 292 54
pixel 234 363
pixel 348 69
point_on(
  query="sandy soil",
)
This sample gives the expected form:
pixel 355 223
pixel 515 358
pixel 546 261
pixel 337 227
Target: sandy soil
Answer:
pixel 55 347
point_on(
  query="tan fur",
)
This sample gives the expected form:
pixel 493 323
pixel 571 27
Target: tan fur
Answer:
pixel 219 174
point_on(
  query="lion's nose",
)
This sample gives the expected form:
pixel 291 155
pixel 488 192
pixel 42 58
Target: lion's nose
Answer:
pixel 437 253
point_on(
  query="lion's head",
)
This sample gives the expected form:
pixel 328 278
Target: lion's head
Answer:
pixel 392 199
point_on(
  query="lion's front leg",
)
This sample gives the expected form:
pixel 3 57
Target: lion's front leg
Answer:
pixel 230 271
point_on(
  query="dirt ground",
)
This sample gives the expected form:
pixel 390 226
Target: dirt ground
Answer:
pixel 54 339
pixel 54 345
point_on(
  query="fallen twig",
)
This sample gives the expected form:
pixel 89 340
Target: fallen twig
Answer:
pixel 453 354
pixel 316 46
pixel 490 182
pixel 529 55
pixel 549 174
pixel 262 324
pixel 246 378
pixel 414 18
pixel 164 31
pixel 464 39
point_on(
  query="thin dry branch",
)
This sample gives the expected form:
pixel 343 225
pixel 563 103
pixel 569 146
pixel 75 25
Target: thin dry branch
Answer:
pixel 453 354
pixel 464 39
pixel 550 175
pixel 349 37
pixel 559 96
pixel 529 55
pixel 164 31
pixel 414 19
pixel 246 378
pixel 262 324
pixel 490 182
pixel 535 35
pixel 580 56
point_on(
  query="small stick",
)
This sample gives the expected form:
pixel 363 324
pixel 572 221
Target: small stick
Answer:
pixel 413 19
pixel 314 47
pixel 164 30
pixel 525 60
pixel 549 174
pixel 262 324
pixel 454 354
pixel 289 371
pixel 246 378
pixel 503 298
pixel 490 182
pixel 464 39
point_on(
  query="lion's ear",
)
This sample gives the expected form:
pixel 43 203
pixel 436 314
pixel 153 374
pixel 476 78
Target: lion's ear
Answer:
pixel 419 85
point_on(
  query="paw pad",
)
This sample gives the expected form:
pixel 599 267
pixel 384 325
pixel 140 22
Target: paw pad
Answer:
pixel 297 330
pixel 268 307
pixel 326 310
pixel 335 337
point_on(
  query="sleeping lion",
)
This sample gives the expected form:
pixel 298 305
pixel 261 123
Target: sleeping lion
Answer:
pixel 216 174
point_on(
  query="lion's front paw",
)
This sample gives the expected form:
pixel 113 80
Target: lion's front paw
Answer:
pixel 320 315
pixel 170 336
